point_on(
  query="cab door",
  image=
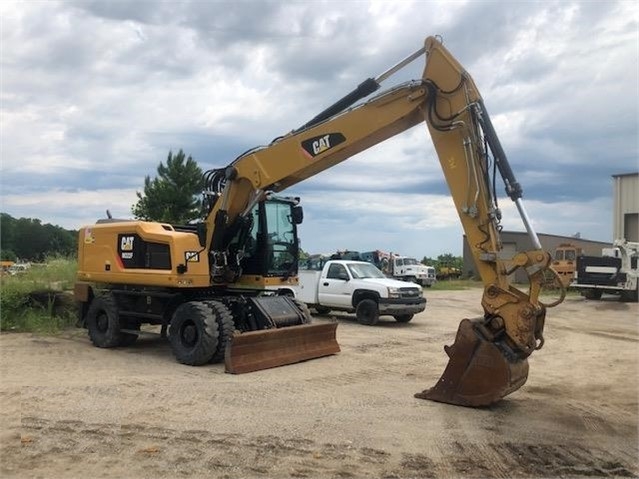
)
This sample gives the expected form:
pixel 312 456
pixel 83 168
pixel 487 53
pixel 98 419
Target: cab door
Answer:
pixel 335 289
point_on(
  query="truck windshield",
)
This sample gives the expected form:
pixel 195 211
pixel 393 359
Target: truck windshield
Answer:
pixel 364 270
pixel 408 261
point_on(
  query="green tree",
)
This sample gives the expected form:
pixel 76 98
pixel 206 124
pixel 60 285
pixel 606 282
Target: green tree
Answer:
pixel 428 261
pixel 171 197
pixel 29 239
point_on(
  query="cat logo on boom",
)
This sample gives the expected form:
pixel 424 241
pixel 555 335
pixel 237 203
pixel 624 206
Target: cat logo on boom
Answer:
pixel 319 144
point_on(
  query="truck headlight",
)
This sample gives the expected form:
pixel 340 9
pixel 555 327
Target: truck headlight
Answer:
pixel 394 293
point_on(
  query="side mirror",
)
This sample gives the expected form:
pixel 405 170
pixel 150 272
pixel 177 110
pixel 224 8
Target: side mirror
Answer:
pixel 343 276
pixel 298 215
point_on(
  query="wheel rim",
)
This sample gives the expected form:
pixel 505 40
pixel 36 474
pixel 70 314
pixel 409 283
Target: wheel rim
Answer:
pixel 189 334
pixel 102 322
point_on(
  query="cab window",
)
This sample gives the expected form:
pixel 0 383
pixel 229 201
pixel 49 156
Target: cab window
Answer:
pixel 336 271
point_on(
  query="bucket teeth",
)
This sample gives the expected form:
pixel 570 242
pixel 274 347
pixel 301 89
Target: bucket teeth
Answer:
pixel 269 348
pixel 478 372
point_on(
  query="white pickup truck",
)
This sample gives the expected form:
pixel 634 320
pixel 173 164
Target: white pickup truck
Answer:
pixel 359 287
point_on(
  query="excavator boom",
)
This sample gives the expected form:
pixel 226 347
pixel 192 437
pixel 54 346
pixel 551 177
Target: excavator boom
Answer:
pixel 488 359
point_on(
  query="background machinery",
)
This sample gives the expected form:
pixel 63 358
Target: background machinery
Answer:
pixel 614 272
pixel 208 283
pixel 565 262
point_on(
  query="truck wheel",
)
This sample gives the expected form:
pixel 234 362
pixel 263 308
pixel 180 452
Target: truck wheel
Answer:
pixel 103 322
pixel 630 296
pixel 225 327
pixel 193 333
pixel 593 294
pixel 367 312
pixel 403 318
pixel 322 309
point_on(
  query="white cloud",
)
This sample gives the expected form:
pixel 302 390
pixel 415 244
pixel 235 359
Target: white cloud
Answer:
pixel 93 94
pixel 71 209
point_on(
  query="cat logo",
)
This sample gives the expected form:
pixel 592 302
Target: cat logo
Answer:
pixel 320 144
pixel 192 256
pixel 126 243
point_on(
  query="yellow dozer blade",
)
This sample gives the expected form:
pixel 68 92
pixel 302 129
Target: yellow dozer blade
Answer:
pixel 269 348
pixel 478 372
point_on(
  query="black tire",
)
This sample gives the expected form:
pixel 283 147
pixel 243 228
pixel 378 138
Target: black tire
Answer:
pixel 225 328
pixel 103 321
pixel 322 309
pixel 630 296
pixel 403 318
pixel 304 308
pixel 594 294
pixel 367 312
pixel 193 333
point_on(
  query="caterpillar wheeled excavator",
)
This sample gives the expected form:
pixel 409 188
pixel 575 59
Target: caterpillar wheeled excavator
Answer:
pixel 214 285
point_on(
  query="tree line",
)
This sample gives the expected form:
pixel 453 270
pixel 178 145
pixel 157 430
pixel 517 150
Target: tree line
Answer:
pixel 27 239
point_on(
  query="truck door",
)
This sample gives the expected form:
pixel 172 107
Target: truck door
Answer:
pixel 334 289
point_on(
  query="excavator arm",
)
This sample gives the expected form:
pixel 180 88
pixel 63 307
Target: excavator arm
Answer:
pixel 488 358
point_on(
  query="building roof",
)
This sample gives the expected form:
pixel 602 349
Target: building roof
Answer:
pixel 625 174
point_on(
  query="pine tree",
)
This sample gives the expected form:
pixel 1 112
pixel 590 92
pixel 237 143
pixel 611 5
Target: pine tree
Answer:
pixel 171 197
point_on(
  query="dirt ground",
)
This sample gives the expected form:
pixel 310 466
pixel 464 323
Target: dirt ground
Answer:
pixel 72 410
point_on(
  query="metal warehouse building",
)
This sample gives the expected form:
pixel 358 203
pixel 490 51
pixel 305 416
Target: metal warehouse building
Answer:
pixel 626 207
pixel 625 225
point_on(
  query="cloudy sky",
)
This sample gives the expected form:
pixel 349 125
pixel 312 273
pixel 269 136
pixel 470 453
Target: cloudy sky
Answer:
pixel 95 93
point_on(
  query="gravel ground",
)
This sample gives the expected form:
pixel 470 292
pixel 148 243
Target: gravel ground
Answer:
pixel 74 411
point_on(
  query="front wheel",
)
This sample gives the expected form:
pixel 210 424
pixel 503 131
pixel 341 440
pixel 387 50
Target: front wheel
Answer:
pixel 592 294
pixel 194 334
pixel 403 318
pixel 367 312
pixel 322 309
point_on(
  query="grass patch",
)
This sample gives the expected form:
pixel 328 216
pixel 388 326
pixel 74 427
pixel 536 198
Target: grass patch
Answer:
pixel 455 285
pixel 38 300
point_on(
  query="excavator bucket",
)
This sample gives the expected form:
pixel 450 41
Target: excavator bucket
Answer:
pixel 269 348
pixel 478 372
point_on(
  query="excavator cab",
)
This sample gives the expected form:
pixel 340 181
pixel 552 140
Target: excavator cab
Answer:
pixel 270 246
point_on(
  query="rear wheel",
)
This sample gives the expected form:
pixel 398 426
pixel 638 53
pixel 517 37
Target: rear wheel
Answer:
pixel 103 321
pixel 630 296
pixel 592 294
pixel 194 333
pixel 367 312
pixel 403 318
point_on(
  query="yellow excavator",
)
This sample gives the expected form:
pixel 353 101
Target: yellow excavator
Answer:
pixel 215 286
